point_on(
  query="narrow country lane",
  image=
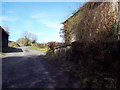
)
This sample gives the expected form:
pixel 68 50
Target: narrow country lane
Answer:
pixel 25 68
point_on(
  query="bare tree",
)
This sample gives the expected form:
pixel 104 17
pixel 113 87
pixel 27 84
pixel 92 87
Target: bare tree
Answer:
pixel 30 36
pixel 26 34
pixel 33 37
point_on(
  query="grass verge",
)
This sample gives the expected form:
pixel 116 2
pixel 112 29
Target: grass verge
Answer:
pixel 36 48
pixel 1 53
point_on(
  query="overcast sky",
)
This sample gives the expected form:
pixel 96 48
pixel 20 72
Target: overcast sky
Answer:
pixel 41 18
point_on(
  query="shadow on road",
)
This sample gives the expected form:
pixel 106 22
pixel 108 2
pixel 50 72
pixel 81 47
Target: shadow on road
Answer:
pixel 25 72
pixel 33 72
pixel 63 80
pixel 11 49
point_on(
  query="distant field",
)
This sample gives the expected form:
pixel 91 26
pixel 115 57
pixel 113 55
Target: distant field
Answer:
pixel 36 48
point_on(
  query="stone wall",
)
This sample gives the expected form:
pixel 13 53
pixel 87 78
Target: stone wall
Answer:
pixel 93 62
pixel 61 51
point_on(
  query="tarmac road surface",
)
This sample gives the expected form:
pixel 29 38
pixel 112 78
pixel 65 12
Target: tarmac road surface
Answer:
pixel 25 68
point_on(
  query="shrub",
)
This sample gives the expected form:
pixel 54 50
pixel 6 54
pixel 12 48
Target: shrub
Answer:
pixel 13 44
pixel 96 65
pixel 41 46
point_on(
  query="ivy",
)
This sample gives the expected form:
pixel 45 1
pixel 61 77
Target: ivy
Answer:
pixel 115 33
pixel 118 30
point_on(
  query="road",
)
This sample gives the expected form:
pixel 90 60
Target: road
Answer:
pixel 25 68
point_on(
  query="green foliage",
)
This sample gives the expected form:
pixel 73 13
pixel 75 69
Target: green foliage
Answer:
pixel 65 35
pixel 114 29
pixel 42 45
pixel 34 41
pixel 24 42
pixel 91 24
pixel 36 48
pixel 13 44
pixel 118 29
pixel 1 53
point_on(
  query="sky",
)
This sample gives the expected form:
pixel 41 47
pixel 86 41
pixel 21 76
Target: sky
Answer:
pixel 40 18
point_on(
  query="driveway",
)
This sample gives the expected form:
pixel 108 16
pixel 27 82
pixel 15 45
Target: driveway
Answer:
pixel 25 68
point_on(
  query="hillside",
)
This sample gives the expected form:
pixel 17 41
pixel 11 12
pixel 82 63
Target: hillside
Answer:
pixel 24 42
pixel 13 44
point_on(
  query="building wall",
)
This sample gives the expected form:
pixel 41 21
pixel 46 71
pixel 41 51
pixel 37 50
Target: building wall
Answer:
pixel 0 40
pixel 4 39
pixel 119 20
pixel 94 21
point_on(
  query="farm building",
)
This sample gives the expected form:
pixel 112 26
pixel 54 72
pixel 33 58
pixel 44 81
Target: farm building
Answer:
pixel 3 38
pixel 94 21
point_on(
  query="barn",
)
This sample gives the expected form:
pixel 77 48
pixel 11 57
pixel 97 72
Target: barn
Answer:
pixel 3 38
pixel 92 23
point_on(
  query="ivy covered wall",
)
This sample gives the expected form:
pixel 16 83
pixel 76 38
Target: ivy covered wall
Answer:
pixel 94 21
